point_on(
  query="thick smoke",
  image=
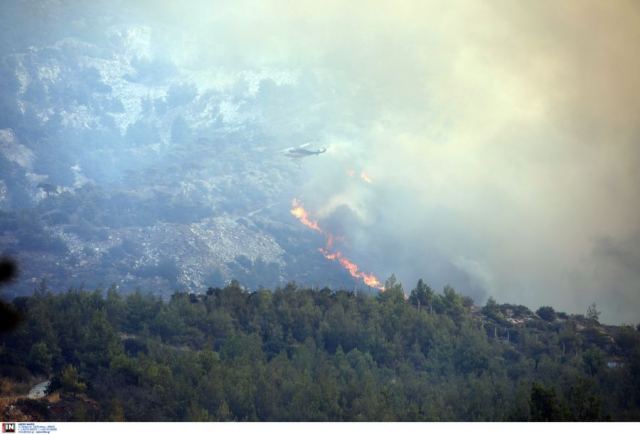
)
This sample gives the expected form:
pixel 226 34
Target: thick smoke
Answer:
pixel 501 138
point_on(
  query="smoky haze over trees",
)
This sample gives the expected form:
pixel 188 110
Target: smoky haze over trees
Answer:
pixel 297 354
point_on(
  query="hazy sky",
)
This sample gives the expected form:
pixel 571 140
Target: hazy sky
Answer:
pixel 501 137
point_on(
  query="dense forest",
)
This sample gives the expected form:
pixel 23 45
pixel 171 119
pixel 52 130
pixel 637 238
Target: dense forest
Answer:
pixel 297 354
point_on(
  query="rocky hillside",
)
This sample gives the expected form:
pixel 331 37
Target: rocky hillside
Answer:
pixel 120 166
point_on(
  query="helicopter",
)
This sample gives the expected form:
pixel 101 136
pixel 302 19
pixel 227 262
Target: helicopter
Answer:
pixel 297 152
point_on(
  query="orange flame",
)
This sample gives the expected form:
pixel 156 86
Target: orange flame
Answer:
pixel 365 177
pixel 353 269
pixel 301 214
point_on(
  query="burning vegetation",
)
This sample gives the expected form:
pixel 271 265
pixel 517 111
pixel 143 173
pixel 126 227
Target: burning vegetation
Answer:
pixel 330 252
